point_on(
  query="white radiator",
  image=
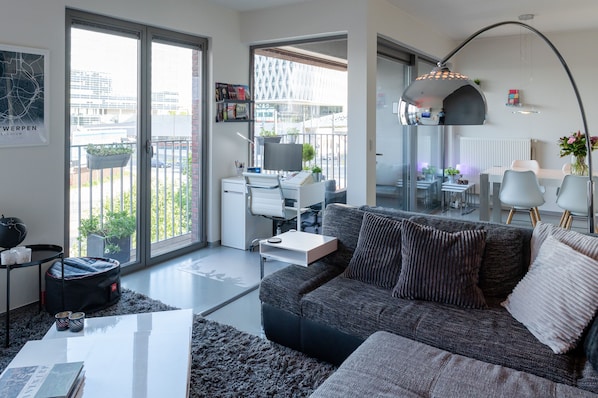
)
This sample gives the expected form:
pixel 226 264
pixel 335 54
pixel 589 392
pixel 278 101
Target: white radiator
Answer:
pixel 479 154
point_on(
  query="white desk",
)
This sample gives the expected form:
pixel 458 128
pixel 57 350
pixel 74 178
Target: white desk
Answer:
pixel 139 355
pixel 494 175
pixel 239 228
pixel 304 196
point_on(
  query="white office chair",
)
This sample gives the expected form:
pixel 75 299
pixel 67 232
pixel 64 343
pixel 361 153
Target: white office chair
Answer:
pixel 573 199
pixel 520 190
pixel 265 198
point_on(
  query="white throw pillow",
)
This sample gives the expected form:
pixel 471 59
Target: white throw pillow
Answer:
pixel 558 297
pixel 582 243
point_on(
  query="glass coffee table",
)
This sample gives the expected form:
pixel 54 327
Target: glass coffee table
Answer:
pixel 40 254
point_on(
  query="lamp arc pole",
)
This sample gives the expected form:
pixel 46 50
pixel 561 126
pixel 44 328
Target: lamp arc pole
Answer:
pixel 590 193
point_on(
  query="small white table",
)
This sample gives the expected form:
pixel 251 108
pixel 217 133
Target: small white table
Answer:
pixel 296 247
pixel 138 355
pixel 464 190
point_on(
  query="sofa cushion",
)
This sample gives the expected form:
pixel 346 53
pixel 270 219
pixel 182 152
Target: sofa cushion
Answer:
pixel 386 365
pixel 586 244
pixel 558 297
pixel 377 258
pixel 591 344
pixel 491 334
pixel 506 255
pixel 441 266
pixel 284 288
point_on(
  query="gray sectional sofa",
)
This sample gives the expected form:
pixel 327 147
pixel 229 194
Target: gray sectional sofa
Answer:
pixel 328 312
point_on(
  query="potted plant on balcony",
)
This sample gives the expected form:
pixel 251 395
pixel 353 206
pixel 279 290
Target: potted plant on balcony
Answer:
pixel 110 238
pixel 268 136
pixel 452 174
pixel 103 156
pixel 316 171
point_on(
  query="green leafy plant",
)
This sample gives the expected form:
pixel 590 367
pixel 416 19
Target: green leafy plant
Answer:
pixel 108 149
pixel 316 169
pixel 308 152
pixel 267 133
pixel 116 225
pixel 452 171
pixel 429 170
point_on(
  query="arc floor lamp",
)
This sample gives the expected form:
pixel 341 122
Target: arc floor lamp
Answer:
pixel 450 98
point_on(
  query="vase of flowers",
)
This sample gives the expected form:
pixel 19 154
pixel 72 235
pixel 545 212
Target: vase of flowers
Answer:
pixel 575 146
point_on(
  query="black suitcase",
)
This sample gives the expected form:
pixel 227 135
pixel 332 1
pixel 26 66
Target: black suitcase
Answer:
pixel 90 284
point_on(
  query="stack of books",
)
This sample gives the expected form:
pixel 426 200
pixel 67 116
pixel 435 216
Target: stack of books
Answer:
pixel 61 380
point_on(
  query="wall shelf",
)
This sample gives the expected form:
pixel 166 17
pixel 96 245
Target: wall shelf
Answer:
pixel 233 103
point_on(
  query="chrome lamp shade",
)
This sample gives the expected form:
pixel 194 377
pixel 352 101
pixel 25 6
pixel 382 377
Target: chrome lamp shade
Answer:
pixel 442 97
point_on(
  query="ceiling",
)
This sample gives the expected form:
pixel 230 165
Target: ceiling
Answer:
pixel 460 18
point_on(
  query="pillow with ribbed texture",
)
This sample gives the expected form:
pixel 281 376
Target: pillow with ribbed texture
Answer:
pixel 558 297
pixel 441 266
pixel 377 257
pixel 584 244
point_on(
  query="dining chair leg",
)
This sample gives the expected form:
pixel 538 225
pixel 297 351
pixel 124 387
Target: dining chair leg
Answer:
pixel 563 220
pixel 537 211
pixel 511 214
pixel 569 222
pixel 532 216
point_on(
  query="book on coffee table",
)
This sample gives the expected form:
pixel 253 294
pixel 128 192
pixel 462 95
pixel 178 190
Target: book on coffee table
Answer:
pixel 61 380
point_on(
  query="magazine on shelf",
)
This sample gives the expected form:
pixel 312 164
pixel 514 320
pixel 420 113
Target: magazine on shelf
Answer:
pixel 221 92
pixel 241 111
pixel 63 380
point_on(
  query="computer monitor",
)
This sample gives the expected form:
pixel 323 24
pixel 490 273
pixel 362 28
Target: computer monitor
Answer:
pixel 283 157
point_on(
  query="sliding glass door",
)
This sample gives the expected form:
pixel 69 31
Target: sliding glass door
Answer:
pixel 408 159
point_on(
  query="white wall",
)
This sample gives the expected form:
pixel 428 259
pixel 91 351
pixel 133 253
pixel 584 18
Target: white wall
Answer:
pixel 496 62
pixel 34 177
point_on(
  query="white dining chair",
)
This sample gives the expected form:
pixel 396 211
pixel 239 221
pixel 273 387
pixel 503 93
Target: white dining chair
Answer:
pixel 520 191
pixel 525 164
pixel 573 199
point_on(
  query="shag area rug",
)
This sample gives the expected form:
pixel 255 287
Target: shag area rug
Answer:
pixel 225 361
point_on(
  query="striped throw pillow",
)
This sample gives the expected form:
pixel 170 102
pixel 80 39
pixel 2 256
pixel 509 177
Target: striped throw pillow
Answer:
pixel 377 257
pixel 441 266
pixel 585 244
pixel 558 297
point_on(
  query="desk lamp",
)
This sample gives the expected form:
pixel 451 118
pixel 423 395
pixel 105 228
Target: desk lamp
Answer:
pixel 450 98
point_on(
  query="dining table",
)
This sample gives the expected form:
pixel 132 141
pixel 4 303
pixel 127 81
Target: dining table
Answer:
pixel 494 175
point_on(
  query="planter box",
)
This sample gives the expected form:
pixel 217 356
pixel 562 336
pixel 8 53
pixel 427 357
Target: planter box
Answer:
pixel 107 162
pixel 272 139
pixel 96 247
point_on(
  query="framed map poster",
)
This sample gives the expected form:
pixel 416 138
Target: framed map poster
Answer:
pixel 24 100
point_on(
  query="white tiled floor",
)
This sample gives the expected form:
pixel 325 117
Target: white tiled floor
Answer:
pixel 206 279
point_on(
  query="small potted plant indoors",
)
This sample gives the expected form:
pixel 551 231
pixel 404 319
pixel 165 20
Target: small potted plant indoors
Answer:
pixel 112 238
pixel 452 174
pixel 104 156
pixel 429 173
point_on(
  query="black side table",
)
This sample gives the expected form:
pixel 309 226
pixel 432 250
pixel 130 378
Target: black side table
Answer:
pixel 40 254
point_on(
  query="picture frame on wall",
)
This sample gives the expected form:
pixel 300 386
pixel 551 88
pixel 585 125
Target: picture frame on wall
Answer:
pixel 24 96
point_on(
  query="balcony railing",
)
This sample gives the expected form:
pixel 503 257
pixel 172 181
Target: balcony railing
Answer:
pixel 95 192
